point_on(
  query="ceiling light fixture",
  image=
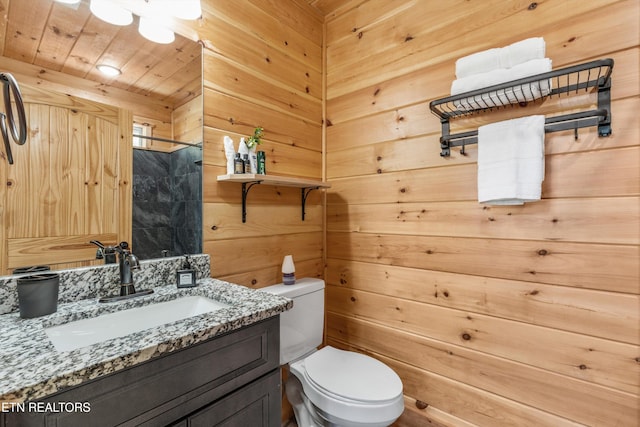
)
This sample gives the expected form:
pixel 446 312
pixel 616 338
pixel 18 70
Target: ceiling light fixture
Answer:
pixel 155 16
pixel 110 12
pixel 151 30
pixel 188 9
pixel 69 1
pixel 108 70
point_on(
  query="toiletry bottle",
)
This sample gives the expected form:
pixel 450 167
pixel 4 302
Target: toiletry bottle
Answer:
pixel 288 271
pixel 247 163
pixel 238 164
pixel 262 160
pixel 186 276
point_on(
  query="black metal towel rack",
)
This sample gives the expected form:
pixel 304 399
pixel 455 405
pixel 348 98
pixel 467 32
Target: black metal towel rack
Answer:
pixel 567 81
pixel 8 125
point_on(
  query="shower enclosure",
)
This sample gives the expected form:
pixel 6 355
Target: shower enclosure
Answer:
pixel 167 202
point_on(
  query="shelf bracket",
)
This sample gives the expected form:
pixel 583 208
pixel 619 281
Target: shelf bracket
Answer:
pixel 604 103
pixel 245 191
pixel 305 193
pixel 445 146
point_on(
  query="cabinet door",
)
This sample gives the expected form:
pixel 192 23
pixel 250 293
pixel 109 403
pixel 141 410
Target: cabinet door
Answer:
pixel 255 405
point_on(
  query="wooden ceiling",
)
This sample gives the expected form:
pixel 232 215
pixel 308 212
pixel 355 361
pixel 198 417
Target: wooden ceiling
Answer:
pixel 326 7
pixel 70 40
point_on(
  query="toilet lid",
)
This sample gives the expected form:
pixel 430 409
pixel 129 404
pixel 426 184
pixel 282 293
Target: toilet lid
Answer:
pixel 352 375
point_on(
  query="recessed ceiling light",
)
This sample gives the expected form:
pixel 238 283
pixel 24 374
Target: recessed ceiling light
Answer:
pixel 111 12
pixel 108 70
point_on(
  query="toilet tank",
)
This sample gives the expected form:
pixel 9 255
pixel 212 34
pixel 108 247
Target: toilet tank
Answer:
pixel 300 327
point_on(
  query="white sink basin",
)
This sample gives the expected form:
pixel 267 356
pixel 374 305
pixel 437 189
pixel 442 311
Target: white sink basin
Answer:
pixel 82 333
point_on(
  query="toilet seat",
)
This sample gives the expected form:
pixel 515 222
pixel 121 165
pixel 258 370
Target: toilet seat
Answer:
pixel 352 376
pixel 349 386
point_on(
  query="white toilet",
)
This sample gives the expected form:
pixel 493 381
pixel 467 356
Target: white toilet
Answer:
pixel 331 387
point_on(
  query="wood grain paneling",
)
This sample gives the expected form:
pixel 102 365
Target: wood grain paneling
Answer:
pixel 259 278
pixel 68 40
pixel 471 404
pixel 491 315
pixel 55 250
pixel 241 116
pixel 507 23
pixel 580 356
pixel 571 398
pixel 187 122
pixel 566 175
pixel 59 82
pixel 71 182
pixel 268 75
pixel 558 220
pixel 612 315
pixel 234 256
pixel 395 155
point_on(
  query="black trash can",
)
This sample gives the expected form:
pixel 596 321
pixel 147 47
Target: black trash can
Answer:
pixel 31 269
pixel 38 294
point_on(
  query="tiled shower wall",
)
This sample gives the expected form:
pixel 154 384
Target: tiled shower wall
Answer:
pixel 167 199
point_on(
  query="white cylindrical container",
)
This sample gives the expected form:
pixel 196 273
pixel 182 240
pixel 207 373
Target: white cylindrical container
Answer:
pixel 288 270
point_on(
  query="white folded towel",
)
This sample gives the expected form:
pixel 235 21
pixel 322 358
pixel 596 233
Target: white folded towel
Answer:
pixel 505 57
pixel 479 62
pixel 523 51
pixel 511 95
pixel 511 161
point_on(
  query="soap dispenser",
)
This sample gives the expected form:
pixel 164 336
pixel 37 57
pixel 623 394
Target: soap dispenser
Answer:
pixel 186 276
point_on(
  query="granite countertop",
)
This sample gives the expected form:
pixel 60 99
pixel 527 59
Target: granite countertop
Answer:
pixel 31 368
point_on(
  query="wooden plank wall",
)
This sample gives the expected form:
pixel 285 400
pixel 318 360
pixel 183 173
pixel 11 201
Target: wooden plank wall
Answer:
pixel 493 316
pixel 262 67
pixel 70 183
pixel 187 122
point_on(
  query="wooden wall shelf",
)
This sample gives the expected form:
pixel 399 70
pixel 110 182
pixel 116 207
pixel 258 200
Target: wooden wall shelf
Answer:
pixel 570 80
pixel 248 180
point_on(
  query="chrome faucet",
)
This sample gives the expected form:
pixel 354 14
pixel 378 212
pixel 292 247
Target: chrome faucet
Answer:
pixel 127 262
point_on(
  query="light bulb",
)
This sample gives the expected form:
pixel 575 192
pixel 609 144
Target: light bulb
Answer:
pixel 110 12
pixel 155 32
pixel 188 9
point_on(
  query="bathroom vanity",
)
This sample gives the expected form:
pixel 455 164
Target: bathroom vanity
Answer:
pixel 214 368
pixel 232 378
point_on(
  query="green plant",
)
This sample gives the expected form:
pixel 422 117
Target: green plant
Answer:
pixel 255 139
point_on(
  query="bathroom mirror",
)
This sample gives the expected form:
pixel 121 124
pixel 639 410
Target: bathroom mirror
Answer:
pixel 57 47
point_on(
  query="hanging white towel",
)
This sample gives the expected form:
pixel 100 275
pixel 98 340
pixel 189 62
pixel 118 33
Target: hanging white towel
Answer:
pixel 505 57
pixel 511 161
pixel 510 95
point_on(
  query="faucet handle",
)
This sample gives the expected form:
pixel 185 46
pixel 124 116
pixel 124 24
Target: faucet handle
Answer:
pixel 108 253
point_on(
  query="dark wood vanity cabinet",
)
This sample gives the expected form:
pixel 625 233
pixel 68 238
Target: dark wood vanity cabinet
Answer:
pixel 230 380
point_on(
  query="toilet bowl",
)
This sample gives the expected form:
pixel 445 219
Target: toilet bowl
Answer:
pixel 331 387
pixel 350 389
